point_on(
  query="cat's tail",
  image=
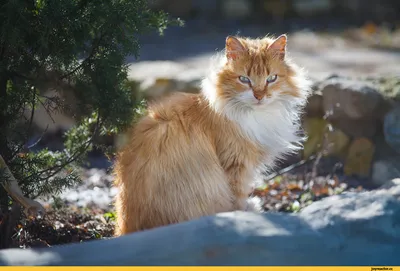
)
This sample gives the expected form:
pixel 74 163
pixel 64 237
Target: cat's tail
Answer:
pixel 123 200
pixel 118 204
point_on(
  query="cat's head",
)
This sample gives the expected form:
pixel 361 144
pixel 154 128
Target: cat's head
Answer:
pixel 255 73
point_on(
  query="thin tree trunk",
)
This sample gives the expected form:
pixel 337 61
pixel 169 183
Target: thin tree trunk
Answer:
pixel 5 152
pixel 8 225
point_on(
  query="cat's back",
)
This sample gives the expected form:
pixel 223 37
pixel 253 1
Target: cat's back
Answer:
pixel 176 106
pixel 169 123
pixel 176 113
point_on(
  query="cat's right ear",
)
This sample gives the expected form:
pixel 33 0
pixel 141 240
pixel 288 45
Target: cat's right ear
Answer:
pixel 233 48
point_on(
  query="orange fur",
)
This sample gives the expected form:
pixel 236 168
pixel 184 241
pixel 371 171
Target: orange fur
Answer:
pixel 189 157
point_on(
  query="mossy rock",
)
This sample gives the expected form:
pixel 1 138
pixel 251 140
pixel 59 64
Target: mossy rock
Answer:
pixel 317 129
pixel 359 157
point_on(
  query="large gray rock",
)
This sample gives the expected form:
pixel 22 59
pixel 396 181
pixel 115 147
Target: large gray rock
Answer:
pixel 314 107
pixel 348 229
pixel 386 164
pixel 350 98
pixel 365 127
pixel 385 170
pixel 354 106
pixel 391 128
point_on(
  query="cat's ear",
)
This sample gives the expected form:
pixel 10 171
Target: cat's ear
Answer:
pixel 234 48
pixel 278 46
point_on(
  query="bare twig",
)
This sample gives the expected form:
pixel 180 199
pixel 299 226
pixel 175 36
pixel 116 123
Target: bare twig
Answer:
pixel 325 144
pixel 47 111
pixel 291 167
pixel 39 139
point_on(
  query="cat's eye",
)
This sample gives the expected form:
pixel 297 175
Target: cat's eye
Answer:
pixel 272 78
pixel 244 79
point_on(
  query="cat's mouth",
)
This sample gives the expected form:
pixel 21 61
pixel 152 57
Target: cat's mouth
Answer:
pixel 259 102
pixel 262 103
pixel 251 101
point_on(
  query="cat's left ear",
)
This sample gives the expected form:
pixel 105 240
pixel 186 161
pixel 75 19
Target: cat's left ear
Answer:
pixel 278 46
pixel 233 47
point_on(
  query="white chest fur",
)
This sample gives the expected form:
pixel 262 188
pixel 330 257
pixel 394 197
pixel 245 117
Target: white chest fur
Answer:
pixel 273 125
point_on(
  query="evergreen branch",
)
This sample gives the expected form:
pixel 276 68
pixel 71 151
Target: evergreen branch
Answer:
pixel 92 52
pixel 74 156
pixel 29 129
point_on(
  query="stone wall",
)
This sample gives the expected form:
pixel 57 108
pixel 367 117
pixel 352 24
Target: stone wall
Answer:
pixel 364 118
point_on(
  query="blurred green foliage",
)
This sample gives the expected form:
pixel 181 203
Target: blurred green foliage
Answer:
pixel 78 48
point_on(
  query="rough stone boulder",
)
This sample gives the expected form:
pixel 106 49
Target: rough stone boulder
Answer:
pixel 348 229
pixel 352 105
pixel 391 128
pixel 362 115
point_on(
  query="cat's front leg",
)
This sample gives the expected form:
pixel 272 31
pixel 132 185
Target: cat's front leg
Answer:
pixel 240 184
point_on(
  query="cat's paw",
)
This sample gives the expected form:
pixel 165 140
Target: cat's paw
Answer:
pixel 254 204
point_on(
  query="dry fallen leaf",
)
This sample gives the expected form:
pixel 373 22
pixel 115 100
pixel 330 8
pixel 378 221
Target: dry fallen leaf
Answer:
pixel 284 193
pixel 294 187
pixel 320 190
pixel 260 193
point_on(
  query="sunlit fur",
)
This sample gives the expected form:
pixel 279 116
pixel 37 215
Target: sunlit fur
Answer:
pixel 198 154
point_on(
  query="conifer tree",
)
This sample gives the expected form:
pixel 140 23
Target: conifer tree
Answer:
pixel 75 47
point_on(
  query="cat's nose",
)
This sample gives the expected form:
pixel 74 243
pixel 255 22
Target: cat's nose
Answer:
pixel 258 95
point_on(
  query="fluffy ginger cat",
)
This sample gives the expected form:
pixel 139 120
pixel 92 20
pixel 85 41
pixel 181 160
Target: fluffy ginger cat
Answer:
pixel 195 155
